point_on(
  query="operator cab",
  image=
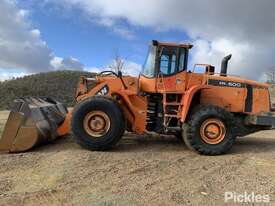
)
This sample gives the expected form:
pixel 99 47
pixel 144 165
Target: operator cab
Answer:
pixel 165 58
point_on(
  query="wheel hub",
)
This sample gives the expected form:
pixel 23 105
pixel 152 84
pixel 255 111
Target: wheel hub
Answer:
pixel 213 131
pixel 96 123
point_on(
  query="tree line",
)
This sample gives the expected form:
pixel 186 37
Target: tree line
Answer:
pixel 59 85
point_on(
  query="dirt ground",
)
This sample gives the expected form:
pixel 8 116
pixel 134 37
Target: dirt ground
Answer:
pixel 141 170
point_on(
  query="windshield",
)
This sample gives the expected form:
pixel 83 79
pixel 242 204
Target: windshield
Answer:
pixel 149 65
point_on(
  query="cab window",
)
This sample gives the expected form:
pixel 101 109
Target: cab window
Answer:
pixel 172 60
pixel 182 59
pixel 168 61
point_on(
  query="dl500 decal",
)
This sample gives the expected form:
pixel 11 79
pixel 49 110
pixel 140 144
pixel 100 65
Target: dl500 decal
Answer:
pixel 222 83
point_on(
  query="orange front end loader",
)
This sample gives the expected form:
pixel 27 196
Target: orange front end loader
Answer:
pixel 206 109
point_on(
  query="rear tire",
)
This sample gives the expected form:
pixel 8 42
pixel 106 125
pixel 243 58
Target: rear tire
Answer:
pixel 209 130
pixel 97 123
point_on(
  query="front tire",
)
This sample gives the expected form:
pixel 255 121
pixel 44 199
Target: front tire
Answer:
pixel 97 123
pixel 209 130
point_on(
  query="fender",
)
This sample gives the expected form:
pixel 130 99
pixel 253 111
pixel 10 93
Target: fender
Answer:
pixel 187 99
pixel 134 110
pixel 134 106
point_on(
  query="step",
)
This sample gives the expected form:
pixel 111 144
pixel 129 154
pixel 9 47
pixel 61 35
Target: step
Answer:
pixel 169 92
pixel 173 128
pixel 172 103
pixel 171 115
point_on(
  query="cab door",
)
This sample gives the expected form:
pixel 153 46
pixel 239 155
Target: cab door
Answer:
pixel 171 72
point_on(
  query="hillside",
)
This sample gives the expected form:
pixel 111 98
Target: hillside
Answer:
pixel 59 85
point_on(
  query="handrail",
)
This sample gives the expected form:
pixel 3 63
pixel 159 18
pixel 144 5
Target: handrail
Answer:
pixel 163 82
pixel 206 74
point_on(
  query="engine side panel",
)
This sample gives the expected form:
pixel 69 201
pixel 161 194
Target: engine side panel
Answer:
pixel 261 100
pixel 238 97
pixel 232 99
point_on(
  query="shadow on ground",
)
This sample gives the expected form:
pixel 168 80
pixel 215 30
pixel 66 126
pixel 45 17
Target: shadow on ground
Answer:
pixel 149 143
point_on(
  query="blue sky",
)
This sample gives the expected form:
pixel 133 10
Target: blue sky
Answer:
pixel 73 34
pixel 48 35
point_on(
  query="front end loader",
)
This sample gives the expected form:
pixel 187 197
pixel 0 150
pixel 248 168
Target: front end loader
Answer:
pixel 206 109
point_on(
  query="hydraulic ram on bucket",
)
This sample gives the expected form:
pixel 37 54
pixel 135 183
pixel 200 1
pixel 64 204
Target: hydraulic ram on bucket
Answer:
pixel 32 122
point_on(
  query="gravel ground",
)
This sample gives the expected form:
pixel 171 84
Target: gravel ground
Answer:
pixel 141 170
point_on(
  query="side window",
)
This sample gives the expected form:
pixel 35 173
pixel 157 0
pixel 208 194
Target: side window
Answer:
pixel 168 61
pixel 182 59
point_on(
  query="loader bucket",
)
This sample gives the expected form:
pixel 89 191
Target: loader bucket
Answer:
pixel 32 122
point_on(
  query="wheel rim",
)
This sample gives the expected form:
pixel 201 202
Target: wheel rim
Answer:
pixel 213 131
pixel 97 123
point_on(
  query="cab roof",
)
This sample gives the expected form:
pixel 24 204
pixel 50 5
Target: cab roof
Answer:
pixel 157 43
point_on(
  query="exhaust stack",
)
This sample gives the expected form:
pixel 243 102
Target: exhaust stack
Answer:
pixel 225 65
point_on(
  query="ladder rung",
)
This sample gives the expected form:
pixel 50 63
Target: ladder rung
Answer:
pixel 172 103
pixel 171 115
pixel 174 128
pixel 172 92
